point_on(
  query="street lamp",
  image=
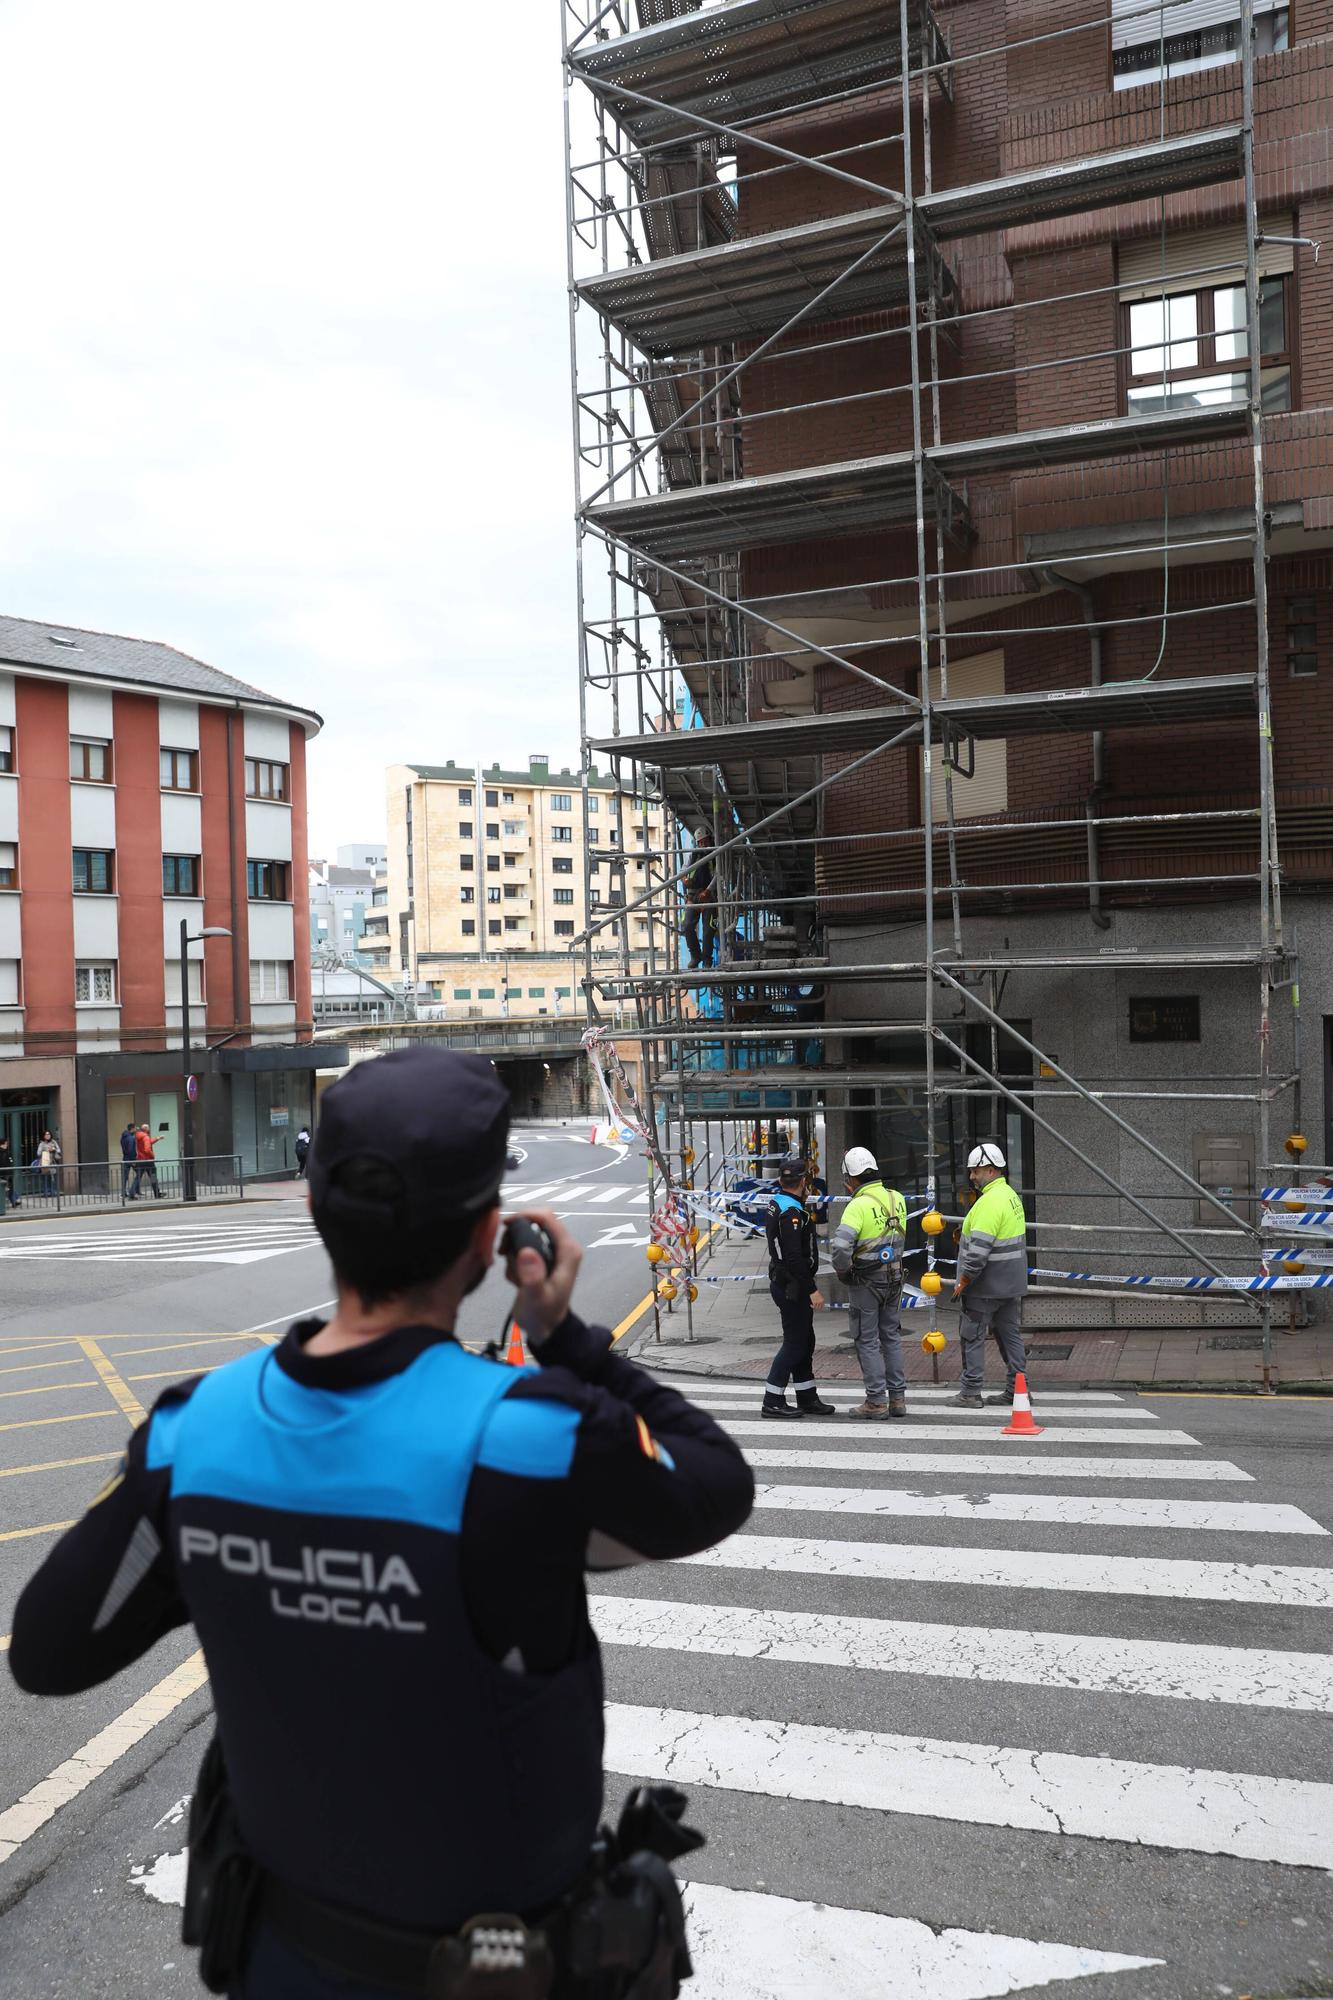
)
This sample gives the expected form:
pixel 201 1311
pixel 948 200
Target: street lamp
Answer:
pixel 189 937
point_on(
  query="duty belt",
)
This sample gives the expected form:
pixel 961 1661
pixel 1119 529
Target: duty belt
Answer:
pixel 496 1955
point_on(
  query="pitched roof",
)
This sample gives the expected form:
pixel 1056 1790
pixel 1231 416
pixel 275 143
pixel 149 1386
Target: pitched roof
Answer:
pixel 25 642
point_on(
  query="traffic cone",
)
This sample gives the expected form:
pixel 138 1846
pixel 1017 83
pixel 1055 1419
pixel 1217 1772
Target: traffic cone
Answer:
pixel 1020 1424
pixel 514 1354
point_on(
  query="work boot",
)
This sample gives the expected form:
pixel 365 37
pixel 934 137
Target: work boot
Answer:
pixel 778 1406
pixel 1002 1402
pixel 869 1410
pixel 897 1406
pixel 810 1404
pixel 965 1402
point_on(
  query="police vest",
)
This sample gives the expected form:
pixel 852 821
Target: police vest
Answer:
pixel 316 1540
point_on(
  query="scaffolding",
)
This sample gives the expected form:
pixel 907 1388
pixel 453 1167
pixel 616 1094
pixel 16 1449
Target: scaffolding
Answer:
pixel 717 689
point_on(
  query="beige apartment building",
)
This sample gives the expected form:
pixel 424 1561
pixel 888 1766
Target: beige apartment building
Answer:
pixel 487 883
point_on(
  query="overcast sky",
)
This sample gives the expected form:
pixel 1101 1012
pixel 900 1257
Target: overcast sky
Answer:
pixel 282 366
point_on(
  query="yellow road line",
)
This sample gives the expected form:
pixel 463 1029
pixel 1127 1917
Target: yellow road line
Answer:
pixel 34 1346
pixel 196 1340
pixel 97 1755
pixel 47 1528
pixel 37 1423
pixel 32 1367
pixel 60 1464
pixel 126 1400
pixel 177 1374
pixel 45 1389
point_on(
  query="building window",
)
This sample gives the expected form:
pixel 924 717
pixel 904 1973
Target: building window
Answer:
pixel 6 747
pixel 270 979
pixel 264 780
pixel 563 929
pixel 1302 638
pixel 1169 1020
pixel 94 871
pixel 593 805
pixel 514 827
pixel 9 865
pixel 465 795
pixel 492 864
pixel 485 993
pixel 506 798
pixel 178 770
pixel 562 895
pixel 536 992
pixel 493 893
pixel 90 760
pixel 562 802
pixel 1189 350
pixel 492 829
pixel 492 798
pixel 465 829
pixel 467 894
pixel 9 981
pixel 95 985
pixel 562 864
pixel 563 834
pixel 513 890
pixel 494 927
pixel 593 835
pixel 469 927
pixel 513 860
pixel 562 992
pixel 513 923
pixel 462 992
pixel 266 881
pixel 467 862
pixel 1142 53
pixel 180 874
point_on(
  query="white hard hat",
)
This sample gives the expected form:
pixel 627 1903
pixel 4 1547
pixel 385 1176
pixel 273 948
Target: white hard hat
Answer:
pixel 859 1160
pixel 988 1154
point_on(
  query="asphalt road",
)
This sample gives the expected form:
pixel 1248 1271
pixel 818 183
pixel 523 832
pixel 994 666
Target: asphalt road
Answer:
pixel 954 1730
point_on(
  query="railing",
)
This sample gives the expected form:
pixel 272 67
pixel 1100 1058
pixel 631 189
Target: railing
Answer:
pixel 113 1183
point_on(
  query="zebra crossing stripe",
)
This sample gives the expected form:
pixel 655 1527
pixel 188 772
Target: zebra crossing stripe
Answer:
pixel 1245 1676
pixel 1062 1510
pixel 889 1433
pixel 999 1465
pixel 1027 1569
pixel 748 1946
pixel 1253 1818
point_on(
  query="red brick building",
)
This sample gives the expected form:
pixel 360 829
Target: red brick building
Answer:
pixel 140 787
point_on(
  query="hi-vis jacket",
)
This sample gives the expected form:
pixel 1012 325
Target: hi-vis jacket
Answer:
pixel 869 1239
pixel 993 1251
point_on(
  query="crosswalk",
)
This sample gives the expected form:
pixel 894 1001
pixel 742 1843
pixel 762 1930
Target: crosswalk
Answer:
pixel 230 1239
pixel 955 1638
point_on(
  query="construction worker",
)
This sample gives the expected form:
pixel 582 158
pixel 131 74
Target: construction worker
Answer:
pixel 992 1275
pixel 793 1261
pixel 381 1539
pixel 867 1253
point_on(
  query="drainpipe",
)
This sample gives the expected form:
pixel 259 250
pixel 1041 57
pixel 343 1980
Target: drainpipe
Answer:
pixel 1084 596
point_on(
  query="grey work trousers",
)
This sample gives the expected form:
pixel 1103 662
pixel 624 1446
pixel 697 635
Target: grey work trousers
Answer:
pixel 1002 1317
pixel 877 1333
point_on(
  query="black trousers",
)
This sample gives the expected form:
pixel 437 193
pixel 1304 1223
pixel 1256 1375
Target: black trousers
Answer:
pixel 794 1361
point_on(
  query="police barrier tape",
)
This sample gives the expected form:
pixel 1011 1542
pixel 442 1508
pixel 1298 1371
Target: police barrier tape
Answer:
pixel 1135 1281
pixel 1316 1196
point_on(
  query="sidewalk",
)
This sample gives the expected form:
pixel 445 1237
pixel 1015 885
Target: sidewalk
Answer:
pixel 736 1333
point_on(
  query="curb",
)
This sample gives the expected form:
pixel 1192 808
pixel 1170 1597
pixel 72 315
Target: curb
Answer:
pixel 166 1207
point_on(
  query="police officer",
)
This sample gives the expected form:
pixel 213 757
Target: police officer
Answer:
pixel 381 1538
pixel 793 1261
pixel 992 1275
pixel 867 1253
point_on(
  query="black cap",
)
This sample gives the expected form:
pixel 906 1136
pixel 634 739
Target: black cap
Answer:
pixel 792 1168
pixel 440 1118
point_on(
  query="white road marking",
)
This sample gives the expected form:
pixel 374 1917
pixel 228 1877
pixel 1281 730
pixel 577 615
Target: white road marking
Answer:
pixel 609 1194
pixel 97 1755
pixel 939 1413
pixel 1246 1676
pixel 839 1392
pixel 1284 1820
pixel 286 1319
pixel 999 1465
pixel 1026 1569
pixel 748 1946
pixel 873 1431
pixel 1064 1510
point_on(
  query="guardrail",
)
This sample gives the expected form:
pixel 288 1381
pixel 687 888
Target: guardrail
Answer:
pixel 78 1184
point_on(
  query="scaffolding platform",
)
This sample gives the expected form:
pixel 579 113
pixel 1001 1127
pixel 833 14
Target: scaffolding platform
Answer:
pixel 1114 705
pixel 750 61
pixel 820 500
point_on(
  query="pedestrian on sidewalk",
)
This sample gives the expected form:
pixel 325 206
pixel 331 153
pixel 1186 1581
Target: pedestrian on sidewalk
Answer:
pixel 302 1148
pixel 866 1249
pixel 7 1175
pixel 146 1168
pixel 793 1261
pixel 47 1162
pixel 128 1156
pixel 992 1276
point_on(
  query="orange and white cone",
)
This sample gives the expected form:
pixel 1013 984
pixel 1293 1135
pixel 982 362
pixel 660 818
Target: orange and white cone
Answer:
pixel 1020 1424
pixel 514 1354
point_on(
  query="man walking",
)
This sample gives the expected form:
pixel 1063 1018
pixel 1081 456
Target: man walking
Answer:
pixel 7 1174
pixel 867 1253
pixel 992 1276
pixel 128 1155
pixel 793 1261
pixel 302 1151
pixel 146 1162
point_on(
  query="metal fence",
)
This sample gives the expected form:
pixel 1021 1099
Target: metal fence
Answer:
pixel 113 1183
